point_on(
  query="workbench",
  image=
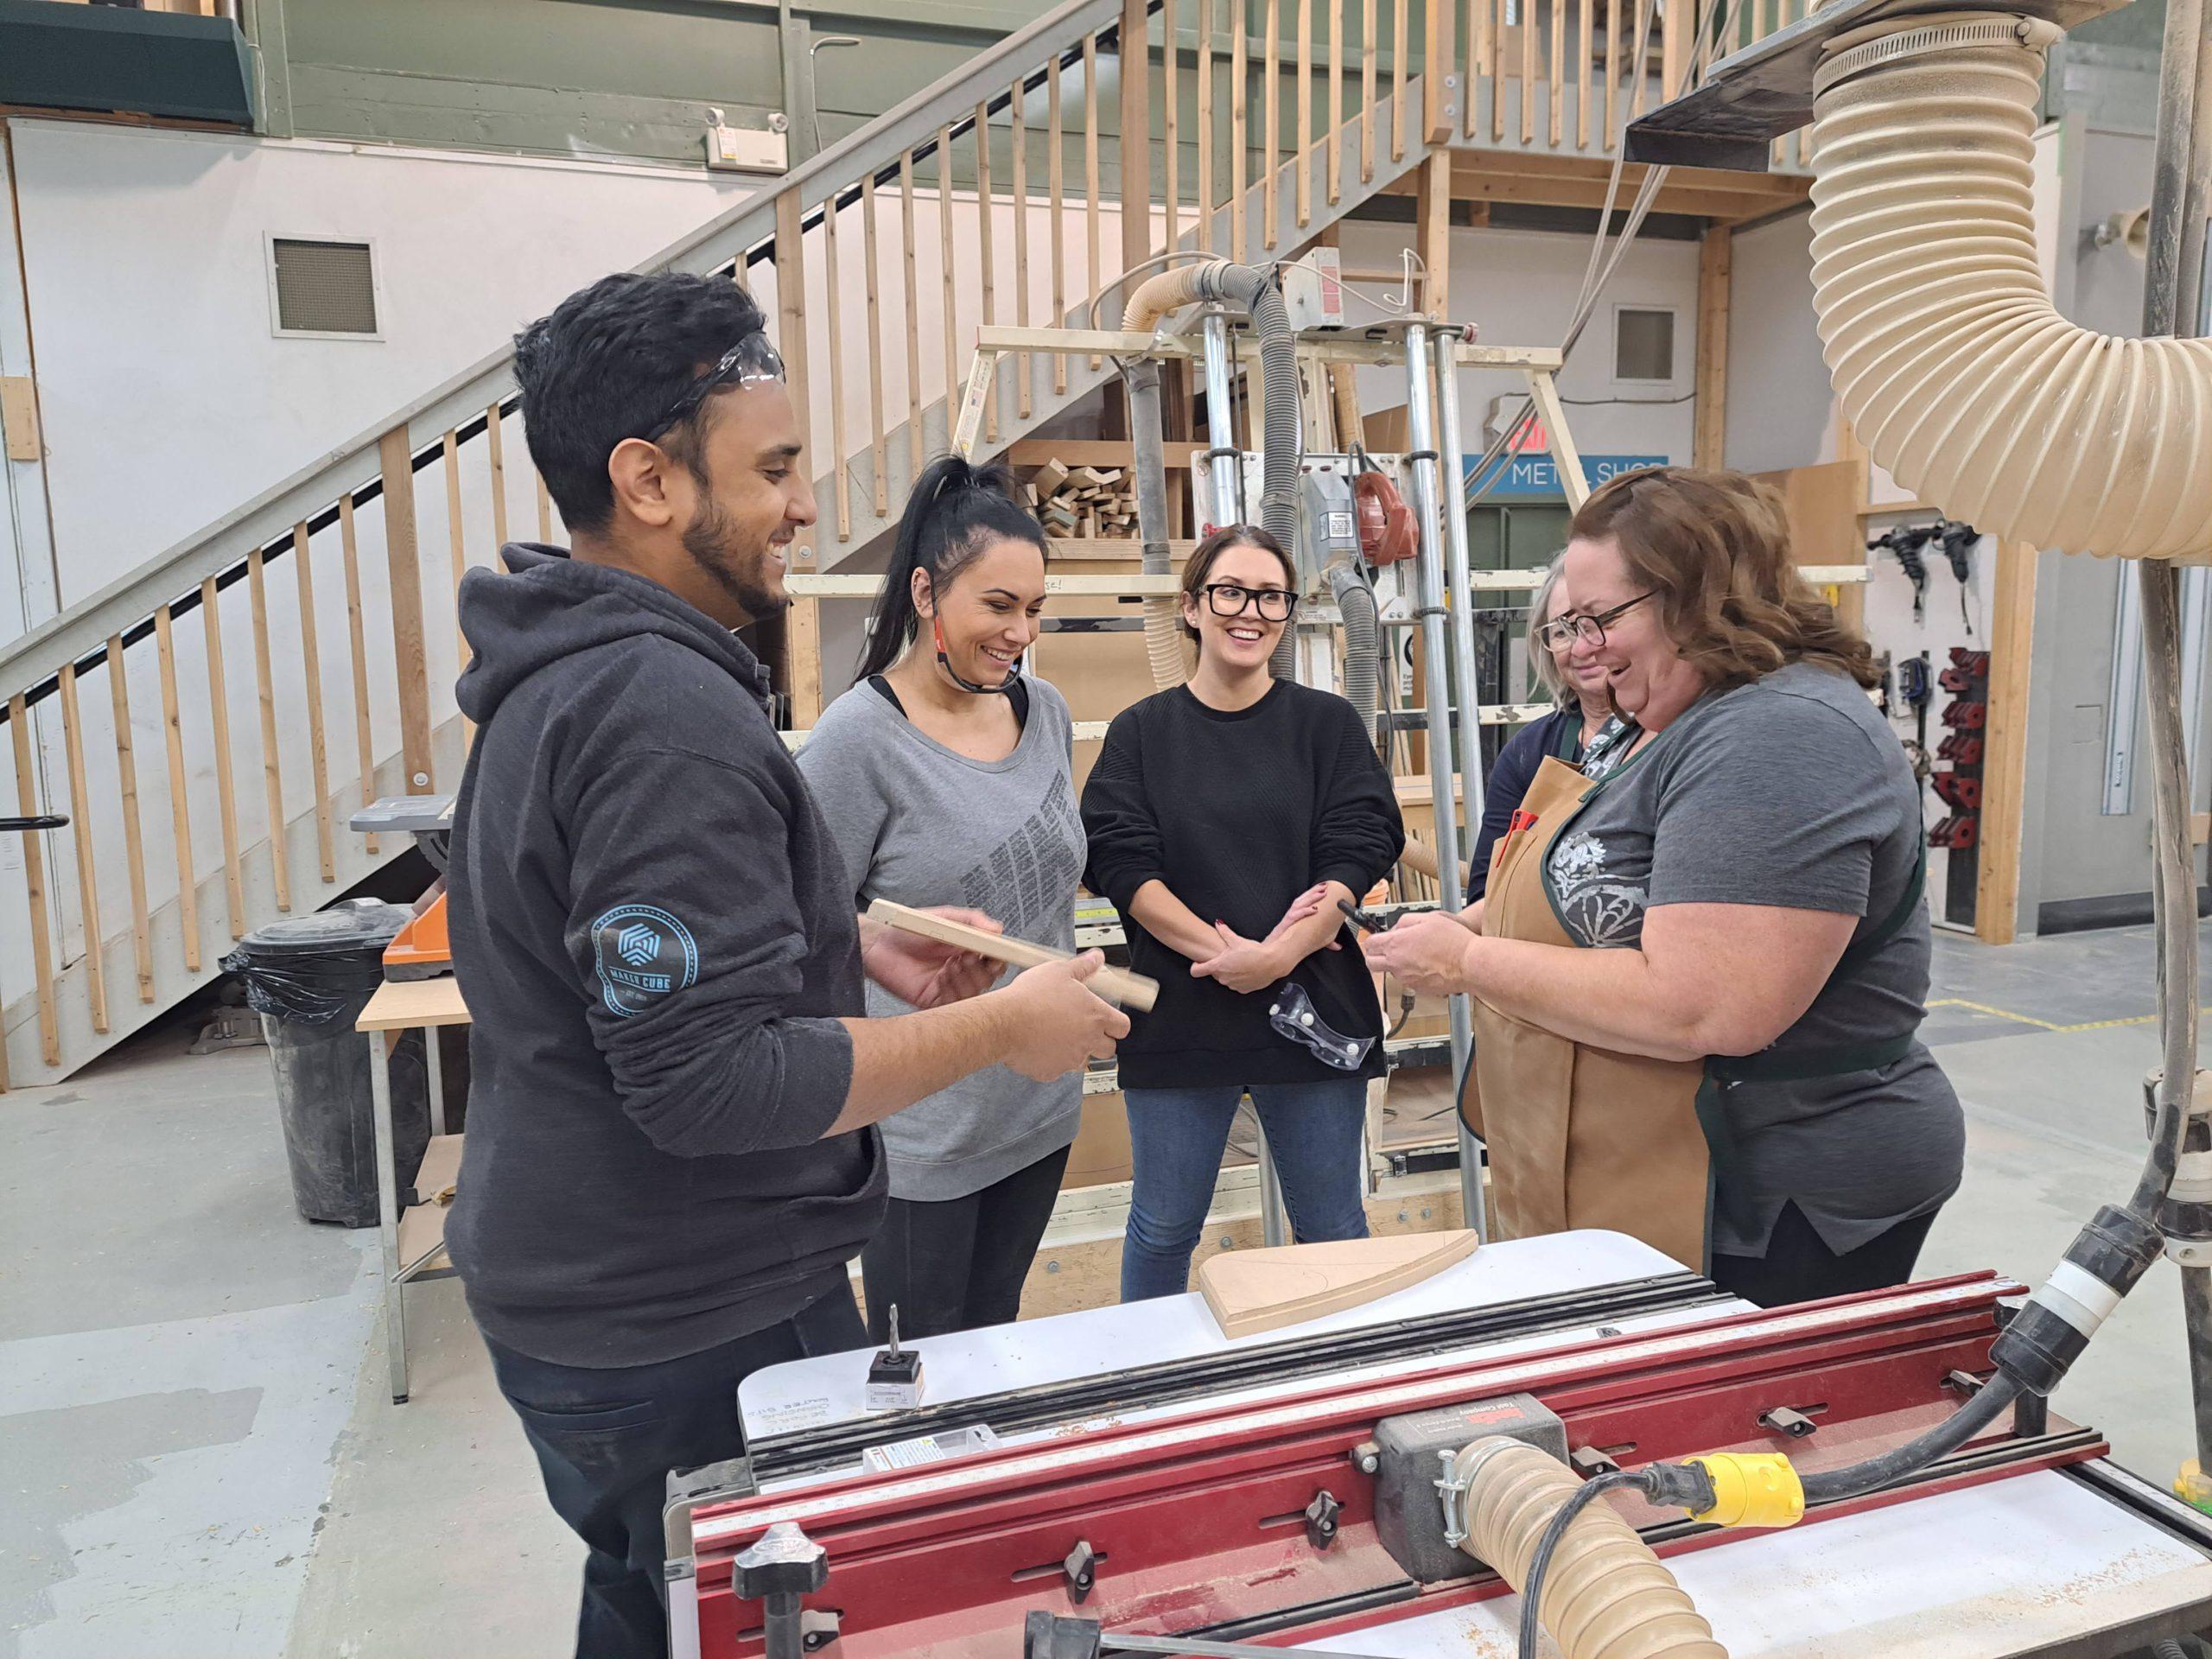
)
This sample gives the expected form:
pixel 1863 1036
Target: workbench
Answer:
pixel 2081 1560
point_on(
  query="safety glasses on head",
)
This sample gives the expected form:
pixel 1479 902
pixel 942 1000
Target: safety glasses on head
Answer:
pixel 751 361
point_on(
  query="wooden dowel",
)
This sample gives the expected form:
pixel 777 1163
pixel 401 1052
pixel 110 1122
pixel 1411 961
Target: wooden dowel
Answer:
pixel 225 781
pixel 1399 52
pixel 911 282
pixel 364 744
pixel 1171 60
pixel 877 457
pixel 272 777
pixel 187 888
pixel 1271 126
pixel 1024 311
pixel 1302 152
pixel 1367 61
pixel 986 211
pixel 1206 134
pixel 80 825
pixel 1335 162
pixel 1090 174
pixel 311 663
pixel 1240 93
pixel 134 841
pixel 1056 164
pixel 33 845
pixel 841 482
pixel 495 449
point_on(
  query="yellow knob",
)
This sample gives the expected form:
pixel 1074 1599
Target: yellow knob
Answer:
pixel 1752 1490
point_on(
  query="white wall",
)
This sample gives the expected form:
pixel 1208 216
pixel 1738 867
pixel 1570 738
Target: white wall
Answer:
pixel 168 399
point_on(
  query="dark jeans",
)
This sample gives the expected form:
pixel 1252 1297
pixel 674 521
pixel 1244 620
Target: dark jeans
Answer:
pixel 1798 1268
pixel 607 1439
pixel 1176 1139
pixel 954 1264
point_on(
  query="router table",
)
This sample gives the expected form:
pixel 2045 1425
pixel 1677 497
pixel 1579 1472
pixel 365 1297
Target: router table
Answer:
pixel 1130 1465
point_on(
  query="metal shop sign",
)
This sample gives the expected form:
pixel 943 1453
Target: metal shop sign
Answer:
pixel 1534 477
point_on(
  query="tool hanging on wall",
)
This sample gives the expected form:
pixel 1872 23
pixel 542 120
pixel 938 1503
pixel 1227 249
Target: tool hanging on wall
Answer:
pixel 1958 542
pixel 1905 542
pixel 1916 687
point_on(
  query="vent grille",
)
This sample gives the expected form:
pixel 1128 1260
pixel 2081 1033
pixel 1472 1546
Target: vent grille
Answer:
pixel 1644 346
pixel 324 287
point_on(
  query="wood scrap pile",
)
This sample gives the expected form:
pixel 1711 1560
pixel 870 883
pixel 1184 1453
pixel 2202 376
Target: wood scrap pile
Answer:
pixel 1084 501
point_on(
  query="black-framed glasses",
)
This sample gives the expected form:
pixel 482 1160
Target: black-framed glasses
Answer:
pixel 1591 629
pixel 753 359
pixel 1231 599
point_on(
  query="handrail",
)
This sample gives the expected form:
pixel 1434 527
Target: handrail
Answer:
pixel 266 522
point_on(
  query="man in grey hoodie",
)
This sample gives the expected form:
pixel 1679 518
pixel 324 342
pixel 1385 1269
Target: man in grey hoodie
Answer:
pixel 671 1155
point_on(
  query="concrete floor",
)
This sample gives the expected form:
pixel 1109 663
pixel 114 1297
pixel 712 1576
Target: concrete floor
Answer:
pixel 198 1458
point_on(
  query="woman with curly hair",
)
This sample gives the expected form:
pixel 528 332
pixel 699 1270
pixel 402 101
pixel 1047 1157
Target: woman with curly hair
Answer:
pixel 1698 979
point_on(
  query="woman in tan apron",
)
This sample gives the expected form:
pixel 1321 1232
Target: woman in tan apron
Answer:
pixel 1735 1079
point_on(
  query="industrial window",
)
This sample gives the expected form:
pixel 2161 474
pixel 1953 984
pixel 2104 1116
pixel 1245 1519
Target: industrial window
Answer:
pixel 323 288
pixel 1644 346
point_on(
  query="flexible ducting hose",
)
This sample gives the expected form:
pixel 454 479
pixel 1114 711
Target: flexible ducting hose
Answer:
pixel 1957 373
pixel 1362 627
pixel 1604 1595
pixel 1250 290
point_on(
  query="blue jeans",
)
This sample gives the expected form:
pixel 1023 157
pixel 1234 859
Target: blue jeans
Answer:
pixel 1176 1139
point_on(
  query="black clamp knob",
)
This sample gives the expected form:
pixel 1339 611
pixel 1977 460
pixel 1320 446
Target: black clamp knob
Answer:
pixel 781 1561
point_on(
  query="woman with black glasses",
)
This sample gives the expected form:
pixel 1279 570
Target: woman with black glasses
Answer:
pixel 1225 819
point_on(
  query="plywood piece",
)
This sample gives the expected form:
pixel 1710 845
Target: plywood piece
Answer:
pixel 1115 985
pixel 403 1004
pixel 1255 1291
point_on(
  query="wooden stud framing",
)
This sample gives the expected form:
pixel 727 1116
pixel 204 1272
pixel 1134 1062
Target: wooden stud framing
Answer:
pixel 1714 263
pixel 1240 93
pixel 986 211
pixel 272 775
pixel 33 845
pixel 134 839
pixel 410 660
pixel 1206 234
pixel 1367 61
pixel 225 779
pixel 803 659
pixel 1271 126
pixel 2005 764
pixel 1056 164
pixel 364 744
pixel 311 665
pixel 496 458
pixel 1302 152
pixel 188 887
pixel 1432 214
pixel 911 279
pixel 876 457
pixel 1023 310
pixel 80 825
pixel 1333 132
pixel 1398 68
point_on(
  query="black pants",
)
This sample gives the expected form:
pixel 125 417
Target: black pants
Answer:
pixel 958 1263
pixel 607 1439
pixel 1798 1268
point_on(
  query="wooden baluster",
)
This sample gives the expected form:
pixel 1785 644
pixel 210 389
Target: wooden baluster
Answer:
pixel 1171 117
pixel 841 479
pixel 1239 157
pixel 495 448
pixel 1639 58
pixel 1335 162
pixel 410 660
pixel 311 662
pixel 1367 61
pixel 456 536
pixel 187 889
pixel 1091 177
pixel 1399 118
pixel 1496 10
pixel 49 1026
pixel 986 211
pixel 134 842
pixel 1439 56
pixel 1206 135
pixel 1479 63
pixel 225 781
pixel 877 457
pixel 1530 71
pixel 80 825
pixel 913 290
pixel 794 347
pixel 1271 127
pixel 948 305
pixel 1023 310
pixel 1057 175
pixel 1612 69
pixel 272 777
pixel 1558 49
pixel 1758 20
pixel 1584 48
pixel 1133 65
pixel 1302 152
pixel 364 743
pixel 1671 45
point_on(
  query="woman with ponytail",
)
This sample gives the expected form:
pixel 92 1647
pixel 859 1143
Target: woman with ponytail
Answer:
pixel 944 776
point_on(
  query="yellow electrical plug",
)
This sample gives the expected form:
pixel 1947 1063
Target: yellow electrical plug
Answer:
pixel 1753 1489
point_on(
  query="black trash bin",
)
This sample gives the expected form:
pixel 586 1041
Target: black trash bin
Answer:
pixel 308 977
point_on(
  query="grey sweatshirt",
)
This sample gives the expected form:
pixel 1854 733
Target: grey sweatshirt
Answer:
pixel 919 825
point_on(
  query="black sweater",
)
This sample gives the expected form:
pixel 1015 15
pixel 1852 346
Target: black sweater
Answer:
pixel 656 937
pixel 1238 814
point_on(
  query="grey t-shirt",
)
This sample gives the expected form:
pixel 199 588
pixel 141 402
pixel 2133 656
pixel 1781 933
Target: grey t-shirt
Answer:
pixel 1789 792
pixel 919 825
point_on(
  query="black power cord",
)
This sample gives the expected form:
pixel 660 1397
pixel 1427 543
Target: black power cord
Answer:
pixel 1585 1495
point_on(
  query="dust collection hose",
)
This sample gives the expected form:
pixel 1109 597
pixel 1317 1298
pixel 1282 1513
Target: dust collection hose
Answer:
pixel 1251 290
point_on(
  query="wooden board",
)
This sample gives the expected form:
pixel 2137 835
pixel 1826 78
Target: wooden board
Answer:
pixel 403 1004
pixel 1116 985
pixel 1252 1291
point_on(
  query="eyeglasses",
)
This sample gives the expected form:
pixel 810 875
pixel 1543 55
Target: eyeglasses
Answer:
pixel 751 361
pixel 1228 598
pixel 1591 630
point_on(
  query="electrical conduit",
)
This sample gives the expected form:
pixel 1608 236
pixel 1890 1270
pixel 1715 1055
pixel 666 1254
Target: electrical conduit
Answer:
pixel 1957 372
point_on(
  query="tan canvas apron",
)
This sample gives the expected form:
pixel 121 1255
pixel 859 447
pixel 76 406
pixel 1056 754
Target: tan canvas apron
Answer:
pixel 1583 1136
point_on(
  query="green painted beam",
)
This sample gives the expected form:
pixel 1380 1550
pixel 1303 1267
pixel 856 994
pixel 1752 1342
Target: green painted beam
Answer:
pixel 105 58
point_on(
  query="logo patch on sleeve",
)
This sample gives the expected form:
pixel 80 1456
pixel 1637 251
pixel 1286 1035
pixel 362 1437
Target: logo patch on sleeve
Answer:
pixel 643 954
